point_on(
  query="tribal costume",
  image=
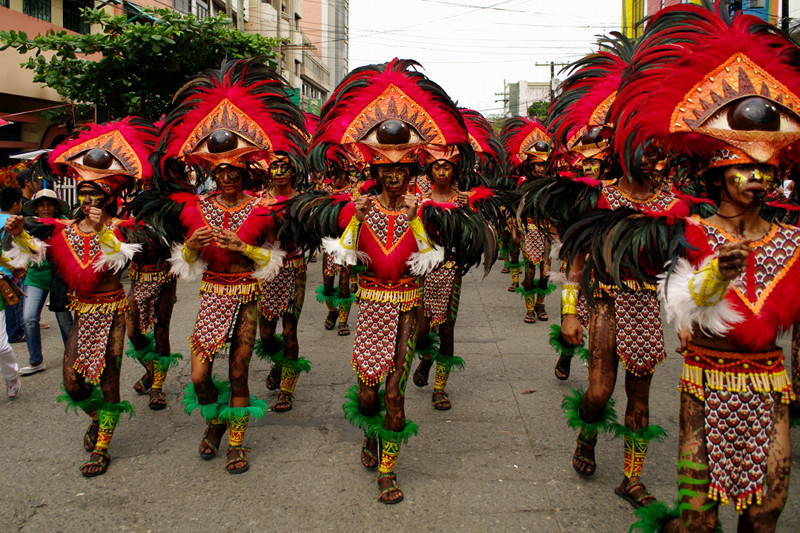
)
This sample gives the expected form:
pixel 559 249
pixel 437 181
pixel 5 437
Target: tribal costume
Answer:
pixel 442 286
pixel 105 160
pixel 528 148
pixel 341 169
pixel 283 298
pixel 726 92
pixel 227 122
pixel 624 316
pixel 389 113
pixel 151 300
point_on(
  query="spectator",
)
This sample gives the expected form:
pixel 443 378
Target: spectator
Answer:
pixel 29 184
pixel 11 204
pixel 40 281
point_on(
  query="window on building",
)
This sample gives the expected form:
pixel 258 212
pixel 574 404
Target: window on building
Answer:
pixel 4 3
pixel 37 8
pixel 184 6
pixel 72 15
pixel 296 67
pixel 297 23
pixel 201 9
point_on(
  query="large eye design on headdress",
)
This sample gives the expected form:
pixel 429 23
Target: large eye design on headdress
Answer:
pixel 753 113
pixel 393 131
pixel 99 159
pixel 223 146
pixel 541 146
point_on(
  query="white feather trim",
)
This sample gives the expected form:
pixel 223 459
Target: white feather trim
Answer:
pixel 183 269
pixel 19 259
pixel 116 261
pixel 683 312
pixel 340 254
pixel 421 263
pixel 273 266
pixel 557 277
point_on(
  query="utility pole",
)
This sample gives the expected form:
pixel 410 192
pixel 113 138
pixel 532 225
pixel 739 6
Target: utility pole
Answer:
pixel 785 12
pixel 240 15
pixel 504 95
pixel 552 75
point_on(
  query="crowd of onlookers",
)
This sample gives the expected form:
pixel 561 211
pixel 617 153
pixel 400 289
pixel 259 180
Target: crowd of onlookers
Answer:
pixel 37 284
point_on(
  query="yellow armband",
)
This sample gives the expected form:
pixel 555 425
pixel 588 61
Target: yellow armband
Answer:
pixel 109 243
pixel 349 239
pixel 190 256
pixel 569 299
pixel 259 256
pixel 25 243
pixel 420 235
pixel 707 286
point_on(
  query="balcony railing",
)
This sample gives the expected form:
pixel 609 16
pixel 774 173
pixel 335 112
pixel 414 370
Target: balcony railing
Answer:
pixel 313 69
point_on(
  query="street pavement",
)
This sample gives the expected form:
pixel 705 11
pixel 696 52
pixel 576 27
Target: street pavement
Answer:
pixel 499 460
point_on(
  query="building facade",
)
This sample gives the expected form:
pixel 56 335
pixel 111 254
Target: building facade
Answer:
pixel 521 94
pixel 635 11
pixel 313 58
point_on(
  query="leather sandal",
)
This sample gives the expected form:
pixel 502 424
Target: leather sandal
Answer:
pixel 393 489
pixel 239 458
pixel 643 500
pixel 578 458
pixel 157 400
pixel 99 458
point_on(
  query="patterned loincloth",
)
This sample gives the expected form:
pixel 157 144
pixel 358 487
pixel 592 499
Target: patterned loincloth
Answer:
pixel 329 268
pixel 533 245
pixel 95 316
pixel 146 284
pixel 639 336
pixel 380 306
pixel 221 297
pixel 279 294
pixel 437 292
pixel 739 391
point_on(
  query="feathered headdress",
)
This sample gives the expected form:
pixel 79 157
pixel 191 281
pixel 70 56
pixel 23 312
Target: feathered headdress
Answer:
pixel 578 118
pixel 236 115
pixel 490 154
pixel 525 140
pixel 113 155
pixel 725 90
pixel 392 114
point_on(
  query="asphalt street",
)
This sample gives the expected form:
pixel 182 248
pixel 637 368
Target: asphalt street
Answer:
pixel 499 460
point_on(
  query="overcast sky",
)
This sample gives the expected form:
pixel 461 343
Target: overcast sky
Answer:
pixel 470 46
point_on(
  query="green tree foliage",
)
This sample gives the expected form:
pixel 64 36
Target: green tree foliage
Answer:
pixel 132 68
pixel 538 110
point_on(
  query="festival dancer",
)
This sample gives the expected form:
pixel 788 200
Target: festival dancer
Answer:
pixel 225 122
pixel 151 300
pixel 283 296
pixel 726 92
pixel 442 287
pixel 342 173
pixel 624 314
pixel 528 148
pixel 389 112
pixel 105 160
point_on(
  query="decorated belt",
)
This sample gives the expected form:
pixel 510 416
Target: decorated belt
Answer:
pixel 297 263
pixel 158 272
pixel 230 284
pixel 99 302
pixel 731 371
pixel 404 290
pixel 631 284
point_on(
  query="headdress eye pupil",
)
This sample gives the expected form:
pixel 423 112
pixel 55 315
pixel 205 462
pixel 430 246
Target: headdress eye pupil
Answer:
pixel 592 135
pixel 98 158
pixel 754 113
pixel 221 141
pixel 541 146
pixel 393 131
